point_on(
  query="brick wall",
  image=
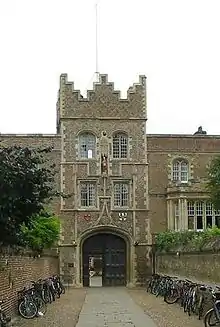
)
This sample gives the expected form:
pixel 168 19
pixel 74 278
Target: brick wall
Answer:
pixel 200 266
pixel 17 271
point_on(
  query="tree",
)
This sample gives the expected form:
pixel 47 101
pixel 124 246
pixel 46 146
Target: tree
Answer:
pixel 42 233
pixel 26 185
pixel 213 184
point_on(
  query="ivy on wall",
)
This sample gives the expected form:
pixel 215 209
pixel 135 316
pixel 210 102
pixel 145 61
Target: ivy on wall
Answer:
pixel 172 241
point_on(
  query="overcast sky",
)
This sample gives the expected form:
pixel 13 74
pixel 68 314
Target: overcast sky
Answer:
pixel 174 43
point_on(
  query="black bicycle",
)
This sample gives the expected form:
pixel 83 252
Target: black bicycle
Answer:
pixel 26 306
pixel 4 319
pixel 30 304
pixel 212 316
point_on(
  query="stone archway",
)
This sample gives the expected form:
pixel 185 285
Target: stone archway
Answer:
pixel 109 252
pixel 116 247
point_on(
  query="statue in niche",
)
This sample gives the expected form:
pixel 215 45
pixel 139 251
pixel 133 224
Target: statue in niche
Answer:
pixel 104 149
pixel 104 164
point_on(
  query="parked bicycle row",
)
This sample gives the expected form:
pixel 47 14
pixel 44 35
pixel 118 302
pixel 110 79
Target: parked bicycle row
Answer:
pixel 190 295
pixel 32 301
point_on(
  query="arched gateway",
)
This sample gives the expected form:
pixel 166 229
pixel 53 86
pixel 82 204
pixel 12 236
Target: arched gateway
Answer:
pixel 112 250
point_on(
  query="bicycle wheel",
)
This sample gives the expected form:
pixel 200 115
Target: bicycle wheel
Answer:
pixel 41 305
pixel 200 307
pixel 57 292
pixel 190 307
pixel 210 319
pixel 47 296
pixel 185 306
pixel 171 296
pixel 63 290
pixel 27 309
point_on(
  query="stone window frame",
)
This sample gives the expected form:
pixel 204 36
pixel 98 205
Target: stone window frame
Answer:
pixel 174 157
pixel 201 209
pixel 78 145
pixel 120 133
pixel 95 184
pixel 180 170
pixel 121 182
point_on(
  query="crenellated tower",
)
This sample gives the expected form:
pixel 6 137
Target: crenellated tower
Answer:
pixel 104 169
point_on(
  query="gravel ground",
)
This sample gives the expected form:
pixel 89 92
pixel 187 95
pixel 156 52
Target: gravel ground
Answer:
pixel 64 312
pixel 163 314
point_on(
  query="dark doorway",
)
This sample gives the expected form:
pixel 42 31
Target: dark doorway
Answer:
pixel 112 251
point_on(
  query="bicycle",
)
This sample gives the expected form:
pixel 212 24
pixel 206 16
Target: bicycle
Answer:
pixel 47 292
pixel 191 300
pixel 60 289
pixel 30 304
pixel 212 316
pixel 60 285
pixel 4 319
pixel 56 287
pixel 201 299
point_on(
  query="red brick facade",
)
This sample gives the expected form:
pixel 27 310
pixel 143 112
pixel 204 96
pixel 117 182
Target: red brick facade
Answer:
pixel 17 271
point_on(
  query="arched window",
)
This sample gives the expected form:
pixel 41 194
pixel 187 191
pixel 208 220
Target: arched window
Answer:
pixel 180 171
pixel 87 146
pixel 120 146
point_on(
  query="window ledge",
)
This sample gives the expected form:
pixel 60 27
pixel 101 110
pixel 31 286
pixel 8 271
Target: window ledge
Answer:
pixel 179 183
pixel 85 159
pixel 88 209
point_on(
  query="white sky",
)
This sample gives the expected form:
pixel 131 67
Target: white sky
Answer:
pixel 175 43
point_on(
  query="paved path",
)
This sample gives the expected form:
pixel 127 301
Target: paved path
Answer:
pixel 112 307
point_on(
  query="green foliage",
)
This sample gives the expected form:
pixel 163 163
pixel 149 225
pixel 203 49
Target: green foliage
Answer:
pixel 213 184
pixel 42 233
pixel 26 185
pixel 186 240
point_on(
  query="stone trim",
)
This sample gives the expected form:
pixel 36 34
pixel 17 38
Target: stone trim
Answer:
pixel 184 136
pixel 62 168
pixel 61 240
pixel 31 135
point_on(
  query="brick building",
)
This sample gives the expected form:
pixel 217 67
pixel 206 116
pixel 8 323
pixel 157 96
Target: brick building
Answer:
pixel 125 185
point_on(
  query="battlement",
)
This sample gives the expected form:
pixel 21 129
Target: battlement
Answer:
pixel 103 81
pixel 102 101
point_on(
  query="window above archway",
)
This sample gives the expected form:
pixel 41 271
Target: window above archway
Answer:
pixel 87 146
pixel 120 146
pixel 180 171
pixel 121 194
pixel 87 194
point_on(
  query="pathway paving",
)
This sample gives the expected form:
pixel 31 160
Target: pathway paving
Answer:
pixel 112 307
